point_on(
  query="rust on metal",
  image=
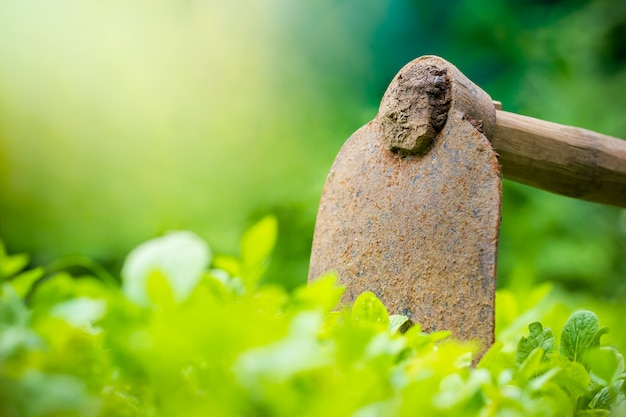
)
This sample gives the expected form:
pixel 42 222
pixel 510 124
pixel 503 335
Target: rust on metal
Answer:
pixel 411 206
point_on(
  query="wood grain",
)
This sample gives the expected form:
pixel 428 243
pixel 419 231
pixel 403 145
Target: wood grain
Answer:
pixel 561 159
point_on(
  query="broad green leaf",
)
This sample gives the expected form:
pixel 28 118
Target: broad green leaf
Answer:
pixel 181 257
pixel 399 323
pixel 538 338
pixel 256 247
pixel 605 362
pixel 368 308
pixel 531 366
pixel 580 333
pixel 572 376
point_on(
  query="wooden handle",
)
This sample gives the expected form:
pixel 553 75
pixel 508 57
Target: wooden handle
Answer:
pixel 562 159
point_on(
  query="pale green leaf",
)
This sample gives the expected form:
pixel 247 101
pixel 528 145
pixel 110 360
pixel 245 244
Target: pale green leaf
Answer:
pixel 181 257
pixel 367 308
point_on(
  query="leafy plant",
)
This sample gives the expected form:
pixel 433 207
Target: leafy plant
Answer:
pixel 188 333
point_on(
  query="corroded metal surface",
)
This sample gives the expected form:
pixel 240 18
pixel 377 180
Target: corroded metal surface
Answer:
pixel 420 231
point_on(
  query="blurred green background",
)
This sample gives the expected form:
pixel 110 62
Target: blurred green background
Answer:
pixel 120 120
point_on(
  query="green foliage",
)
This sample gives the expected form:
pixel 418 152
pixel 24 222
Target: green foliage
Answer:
pixel 538 338
pixel 195 335
pixel 581 333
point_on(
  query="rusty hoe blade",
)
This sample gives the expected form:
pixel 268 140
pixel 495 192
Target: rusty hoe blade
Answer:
pixel 411 206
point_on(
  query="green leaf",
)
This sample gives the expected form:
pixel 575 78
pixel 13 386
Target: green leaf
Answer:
pixel 368 308
pixel 580 333
pixel 531 366
pixel 181 257
pixel 538 338
pixel 606 397
pixel 572 375
pixel 256 247
pixel 585 399
pixel 605 362
pixel 399 323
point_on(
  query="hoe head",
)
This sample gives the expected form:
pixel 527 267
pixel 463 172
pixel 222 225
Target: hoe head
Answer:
pixel 411 206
